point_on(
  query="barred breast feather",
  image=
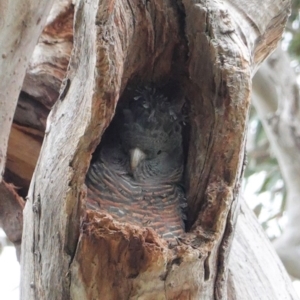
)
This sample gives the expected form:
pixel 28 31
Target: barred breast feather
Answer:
pixel 136 175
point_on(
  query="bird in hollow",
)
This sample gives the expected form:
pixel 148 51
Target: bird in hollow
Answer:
pixel 136 174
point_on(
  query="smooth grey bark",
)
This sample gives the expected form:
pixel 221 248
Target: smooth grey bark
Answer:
pixel 255 271
pixel 21 25
pixel 277 102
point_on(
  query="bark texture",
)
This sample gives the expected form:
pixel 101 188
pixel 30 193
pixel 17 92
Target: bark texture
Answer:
pixel 45 72
pixel 210 49
pixel 11 214
pixel 255 271
pixel 21 25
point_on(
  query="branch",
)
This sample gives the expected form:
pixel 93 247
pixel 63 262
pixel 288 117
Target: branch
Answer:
pixel 11 214
pixel 254 268
pixel 21 24
pixel 276 99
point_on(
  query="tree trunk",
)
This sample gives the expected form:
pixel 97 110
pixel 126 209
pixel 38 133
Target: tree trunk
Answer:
pixel 255 272
pixel 21 25
pixel 210 49
pixel 276 99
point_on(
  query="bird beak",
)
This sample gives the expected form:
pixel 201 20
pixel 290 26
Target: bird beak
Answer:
pixel 136 156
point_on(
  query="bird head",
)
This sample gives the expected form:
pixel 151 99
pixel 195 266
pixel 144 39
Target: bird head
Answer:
pixel 151 128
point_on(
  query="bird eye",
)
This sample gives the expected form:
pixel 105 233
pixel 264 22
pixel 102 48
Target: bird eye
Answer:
pixel 158 152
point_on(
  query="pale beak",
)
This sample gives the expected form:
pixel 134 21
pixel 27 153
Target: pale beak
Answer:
pixel 136 156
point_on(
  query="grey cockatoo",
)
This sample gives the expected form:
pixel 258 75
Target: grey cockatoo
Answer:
pixel 136 174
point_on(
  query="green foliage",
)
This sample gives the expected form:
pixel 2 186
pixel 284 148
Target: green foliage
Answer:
pixel 295 10
pixel 269 198
pixel 293 28
pixel 269 188
pixel 294 46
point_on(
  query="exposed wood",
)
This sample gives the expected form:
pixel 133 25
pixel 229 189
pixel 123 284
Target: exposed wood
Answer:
pixel 21 24
pixel 22 162
pixel 136 257
pixel 50 59
pixel 203 48
pixel 11 214
pixel 46 70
